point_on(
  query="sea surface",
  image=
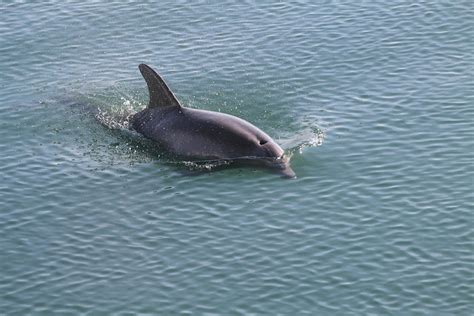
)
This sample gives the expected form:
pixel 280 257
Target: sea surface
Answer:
pixel 373 101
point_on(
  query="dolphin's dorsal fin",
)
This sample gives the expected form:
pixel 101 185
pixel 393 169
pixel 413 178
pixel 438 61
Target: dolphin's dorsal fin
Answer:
pixel 160 94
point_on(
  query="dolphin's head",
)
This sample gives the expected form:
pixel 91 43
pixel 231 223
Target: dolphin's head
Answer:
pixel 273 156
pixel 235 139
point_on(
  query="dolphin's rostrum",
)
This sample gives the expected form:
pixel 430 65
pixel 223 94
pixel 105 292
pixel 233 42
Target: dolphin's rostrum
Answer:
pixel 203 135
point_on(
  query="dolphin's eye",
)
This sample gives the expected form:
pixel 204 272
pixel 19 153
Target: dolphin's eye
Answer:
pixel 263 142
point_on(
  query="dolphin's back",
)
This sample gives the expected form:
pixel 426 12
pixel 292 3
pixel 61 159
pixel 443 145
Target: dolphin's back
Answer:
pixel 198 133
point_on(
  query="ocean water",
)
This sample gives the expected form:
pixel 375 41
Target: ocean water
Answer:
pixel 373 100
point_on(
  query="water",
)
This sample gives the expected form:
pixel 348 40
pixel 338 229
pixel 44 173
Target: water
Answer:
pixel 373 100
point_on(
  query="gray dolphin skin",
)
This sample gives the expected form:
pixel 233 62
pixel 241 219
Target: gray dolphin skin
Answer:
pixel 203 135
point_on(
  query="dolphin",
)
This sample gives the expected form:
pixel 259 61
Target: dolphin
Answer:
pixel 193 134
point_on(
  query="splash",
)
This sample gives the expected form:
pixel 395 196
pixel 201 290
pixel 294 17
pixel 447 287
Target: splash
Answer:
pixel 306 138
pixel 112 106
pixel 118 117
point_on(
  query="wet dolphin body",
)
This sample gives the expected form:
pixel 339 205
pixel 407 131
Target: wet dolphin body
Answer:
pixel 203 135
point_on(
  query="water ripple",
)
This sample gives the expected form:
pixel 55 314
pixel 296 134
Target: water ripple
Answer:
pixel 373 101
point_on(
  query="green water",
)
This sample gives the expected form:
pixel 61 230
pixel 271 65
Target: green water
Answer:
pixel 373 100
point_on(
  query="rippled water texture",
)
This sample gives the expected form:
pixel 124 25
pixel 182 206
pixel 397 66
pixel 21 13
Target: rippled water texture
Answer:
pixel 379 221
